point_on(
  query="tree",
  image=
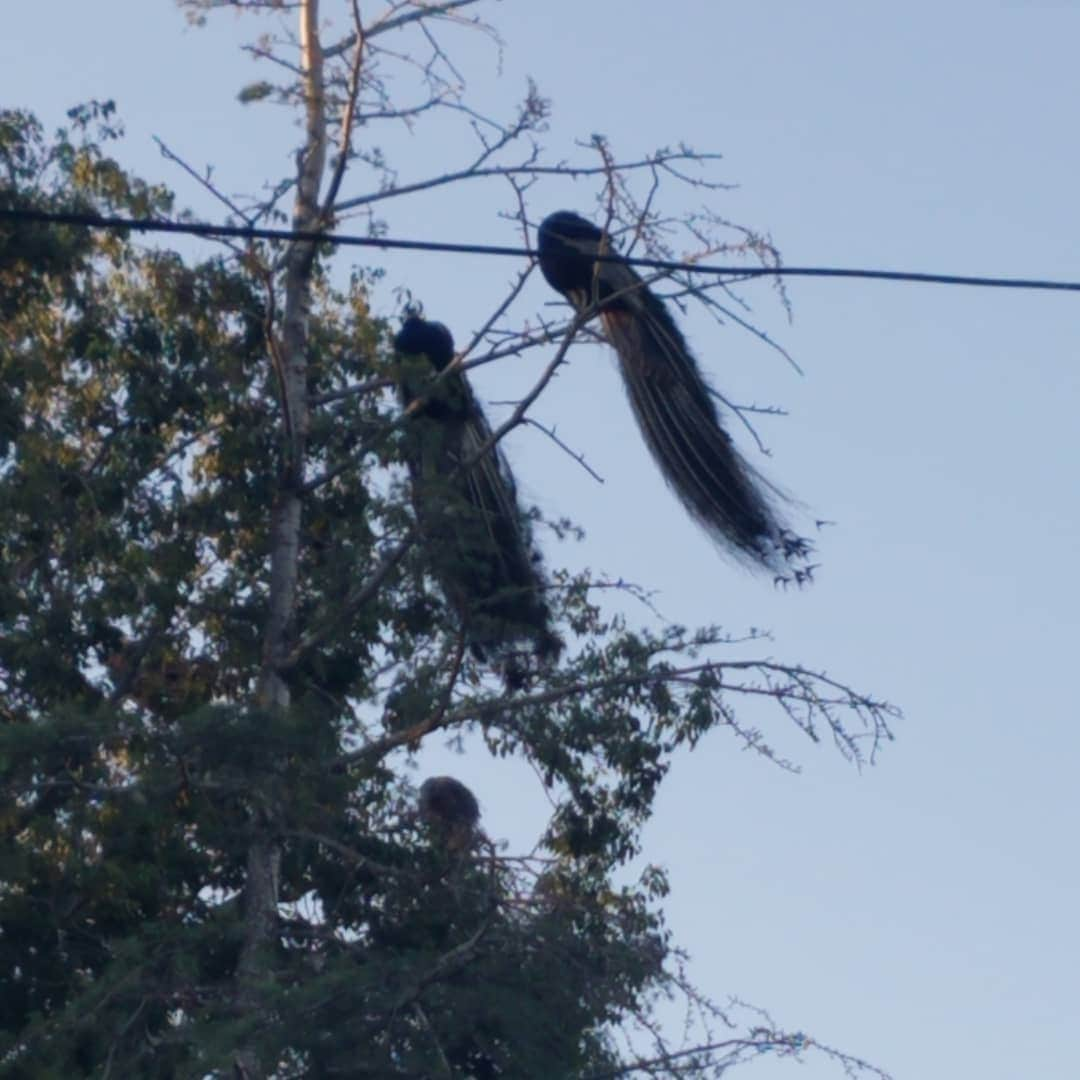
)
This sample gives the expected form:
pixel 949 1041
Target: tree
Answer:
pixel 220 620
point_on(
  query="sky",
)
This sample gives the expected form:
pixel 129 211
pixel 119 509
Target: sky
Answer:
pixel 920 913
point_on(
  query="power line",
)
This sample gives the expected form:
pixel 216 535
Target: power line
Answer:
pixel 252 232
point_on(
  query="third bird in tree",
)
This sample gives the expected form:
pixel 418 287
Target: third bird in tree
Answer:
pixel 672 402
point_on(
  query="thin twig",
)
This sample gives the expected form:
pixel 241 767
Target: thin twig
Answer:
pixel 550 433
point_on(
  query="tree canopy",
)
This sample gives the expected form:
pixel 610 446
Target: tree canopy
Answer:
pixel 223 628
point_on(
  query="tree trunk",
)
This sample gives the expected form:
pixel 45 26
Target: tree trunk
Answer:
pixel 289 354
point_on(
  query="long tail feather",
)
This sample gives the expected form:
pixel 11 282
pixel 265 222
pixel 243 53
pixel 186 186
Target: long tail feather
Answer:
pixel 488 566
pixel 671 400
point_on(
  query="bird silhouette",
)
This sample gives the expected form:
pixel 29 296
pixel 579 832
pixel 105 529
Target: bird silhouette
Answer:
pixel 466 501
pixel 671 400
pixel 450 809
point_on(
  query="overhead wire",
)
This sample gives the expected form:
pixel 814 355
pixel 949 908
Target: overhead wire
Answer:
pixel 255 232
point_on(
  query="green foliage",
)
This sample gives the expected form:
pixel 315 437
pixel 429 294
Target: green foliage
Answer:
pixel 141 459
pixel 255 91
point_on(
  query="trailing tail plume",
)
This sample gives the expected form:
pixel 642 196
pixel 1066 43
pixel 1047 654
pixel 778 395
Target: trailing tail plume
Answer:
pixel 482 550
pixel 671 400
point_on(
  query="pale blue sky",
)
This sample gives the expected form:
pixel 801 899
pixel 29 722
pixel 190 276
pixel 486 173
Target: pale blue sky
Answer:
pixel 921 914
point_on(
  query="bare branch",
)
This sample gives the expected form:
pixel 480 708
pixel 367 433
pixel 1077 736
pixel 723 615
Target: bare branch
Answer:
pixel 575 455
pixel 572 172
pixel 203 180
pixel 347 116
pixel 395 22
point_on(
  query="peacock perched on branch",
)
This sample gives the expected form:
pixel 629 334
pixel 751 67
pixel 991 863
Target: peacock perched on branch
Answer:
pixel 466 502
pixel 450 810
pixel 672 402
